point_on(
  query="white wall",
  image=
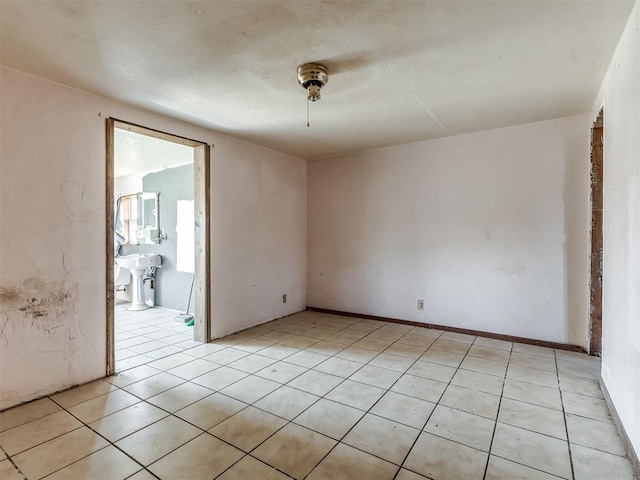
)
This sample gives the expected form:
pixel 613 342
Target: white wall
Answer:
pixel 620 95
pixel 128 184
pixel 490 229
pixel 52 233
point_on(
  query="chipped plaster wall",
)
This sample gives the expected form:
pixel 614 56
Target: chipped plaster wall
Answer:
pixel 490 229
pixel 620 95
pixel 52 233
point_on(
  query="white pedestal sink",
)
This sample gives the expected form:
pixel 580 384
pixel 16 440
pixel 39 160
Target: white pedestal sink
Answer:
pixel 137 263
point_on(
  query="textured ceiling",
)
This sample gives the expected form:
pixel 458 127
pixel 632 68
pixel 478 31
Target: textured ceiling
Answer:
pixel 399 70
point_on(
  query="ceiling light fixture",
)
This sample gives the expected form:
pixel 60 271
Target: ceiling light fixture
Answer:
pixel 312 77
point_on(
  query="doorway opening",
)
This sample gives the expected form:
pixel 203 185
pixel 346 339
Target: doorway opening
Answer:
pixel 595 283
pixel 157 244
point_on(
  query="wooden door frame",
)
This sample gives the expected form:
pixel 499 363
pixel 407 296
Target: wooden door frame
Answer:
pixel 202 225
pixel 596 235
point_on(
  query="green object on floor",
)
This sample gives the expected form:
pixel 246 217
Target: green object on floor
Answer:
pixel 190 324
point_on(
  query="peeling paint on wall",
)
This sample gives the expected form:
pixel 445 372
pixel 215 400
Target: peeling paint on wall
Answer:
pixel 33 309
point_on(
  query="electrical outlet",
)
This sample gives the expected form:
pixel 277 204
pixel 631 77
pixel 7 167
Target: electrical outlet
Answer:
pixel 284 298
pixel 420 304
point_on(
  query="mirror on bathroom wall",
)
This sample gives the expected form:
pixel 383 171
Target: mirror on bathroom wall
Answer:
pixel 140 218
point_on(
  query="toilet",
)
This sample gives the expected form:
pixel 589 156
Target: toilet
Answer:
pixel 121 276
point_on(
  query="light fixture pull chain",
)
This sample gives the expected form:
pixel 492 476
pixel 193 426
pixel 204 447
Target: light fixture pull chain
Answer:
pixel 307 113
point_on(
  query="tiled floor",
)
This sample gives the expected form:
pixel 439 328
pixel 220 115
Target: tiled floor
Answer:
pixel 318 396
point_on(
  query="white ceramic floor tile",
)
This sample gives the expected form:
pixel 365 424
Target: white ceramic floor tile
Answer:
pixel 462 427
pixel 210 411
pixel 439 458
pixel 108 463
pixel 16 416
pixel 355 394
pixel 202 458
pixel 329 418
pixel 348 463
pixel 295 450
pixel 535 450
pixel 248 428
pixel 126 421
pixel 383 438
pixel 155 441
pixel 589 464
pixel 286 402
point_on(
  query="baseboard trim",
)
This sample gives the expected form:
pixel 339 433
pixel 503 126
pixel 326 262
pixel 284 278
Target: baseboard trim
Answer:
pixel 626 441
pixel 497 336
